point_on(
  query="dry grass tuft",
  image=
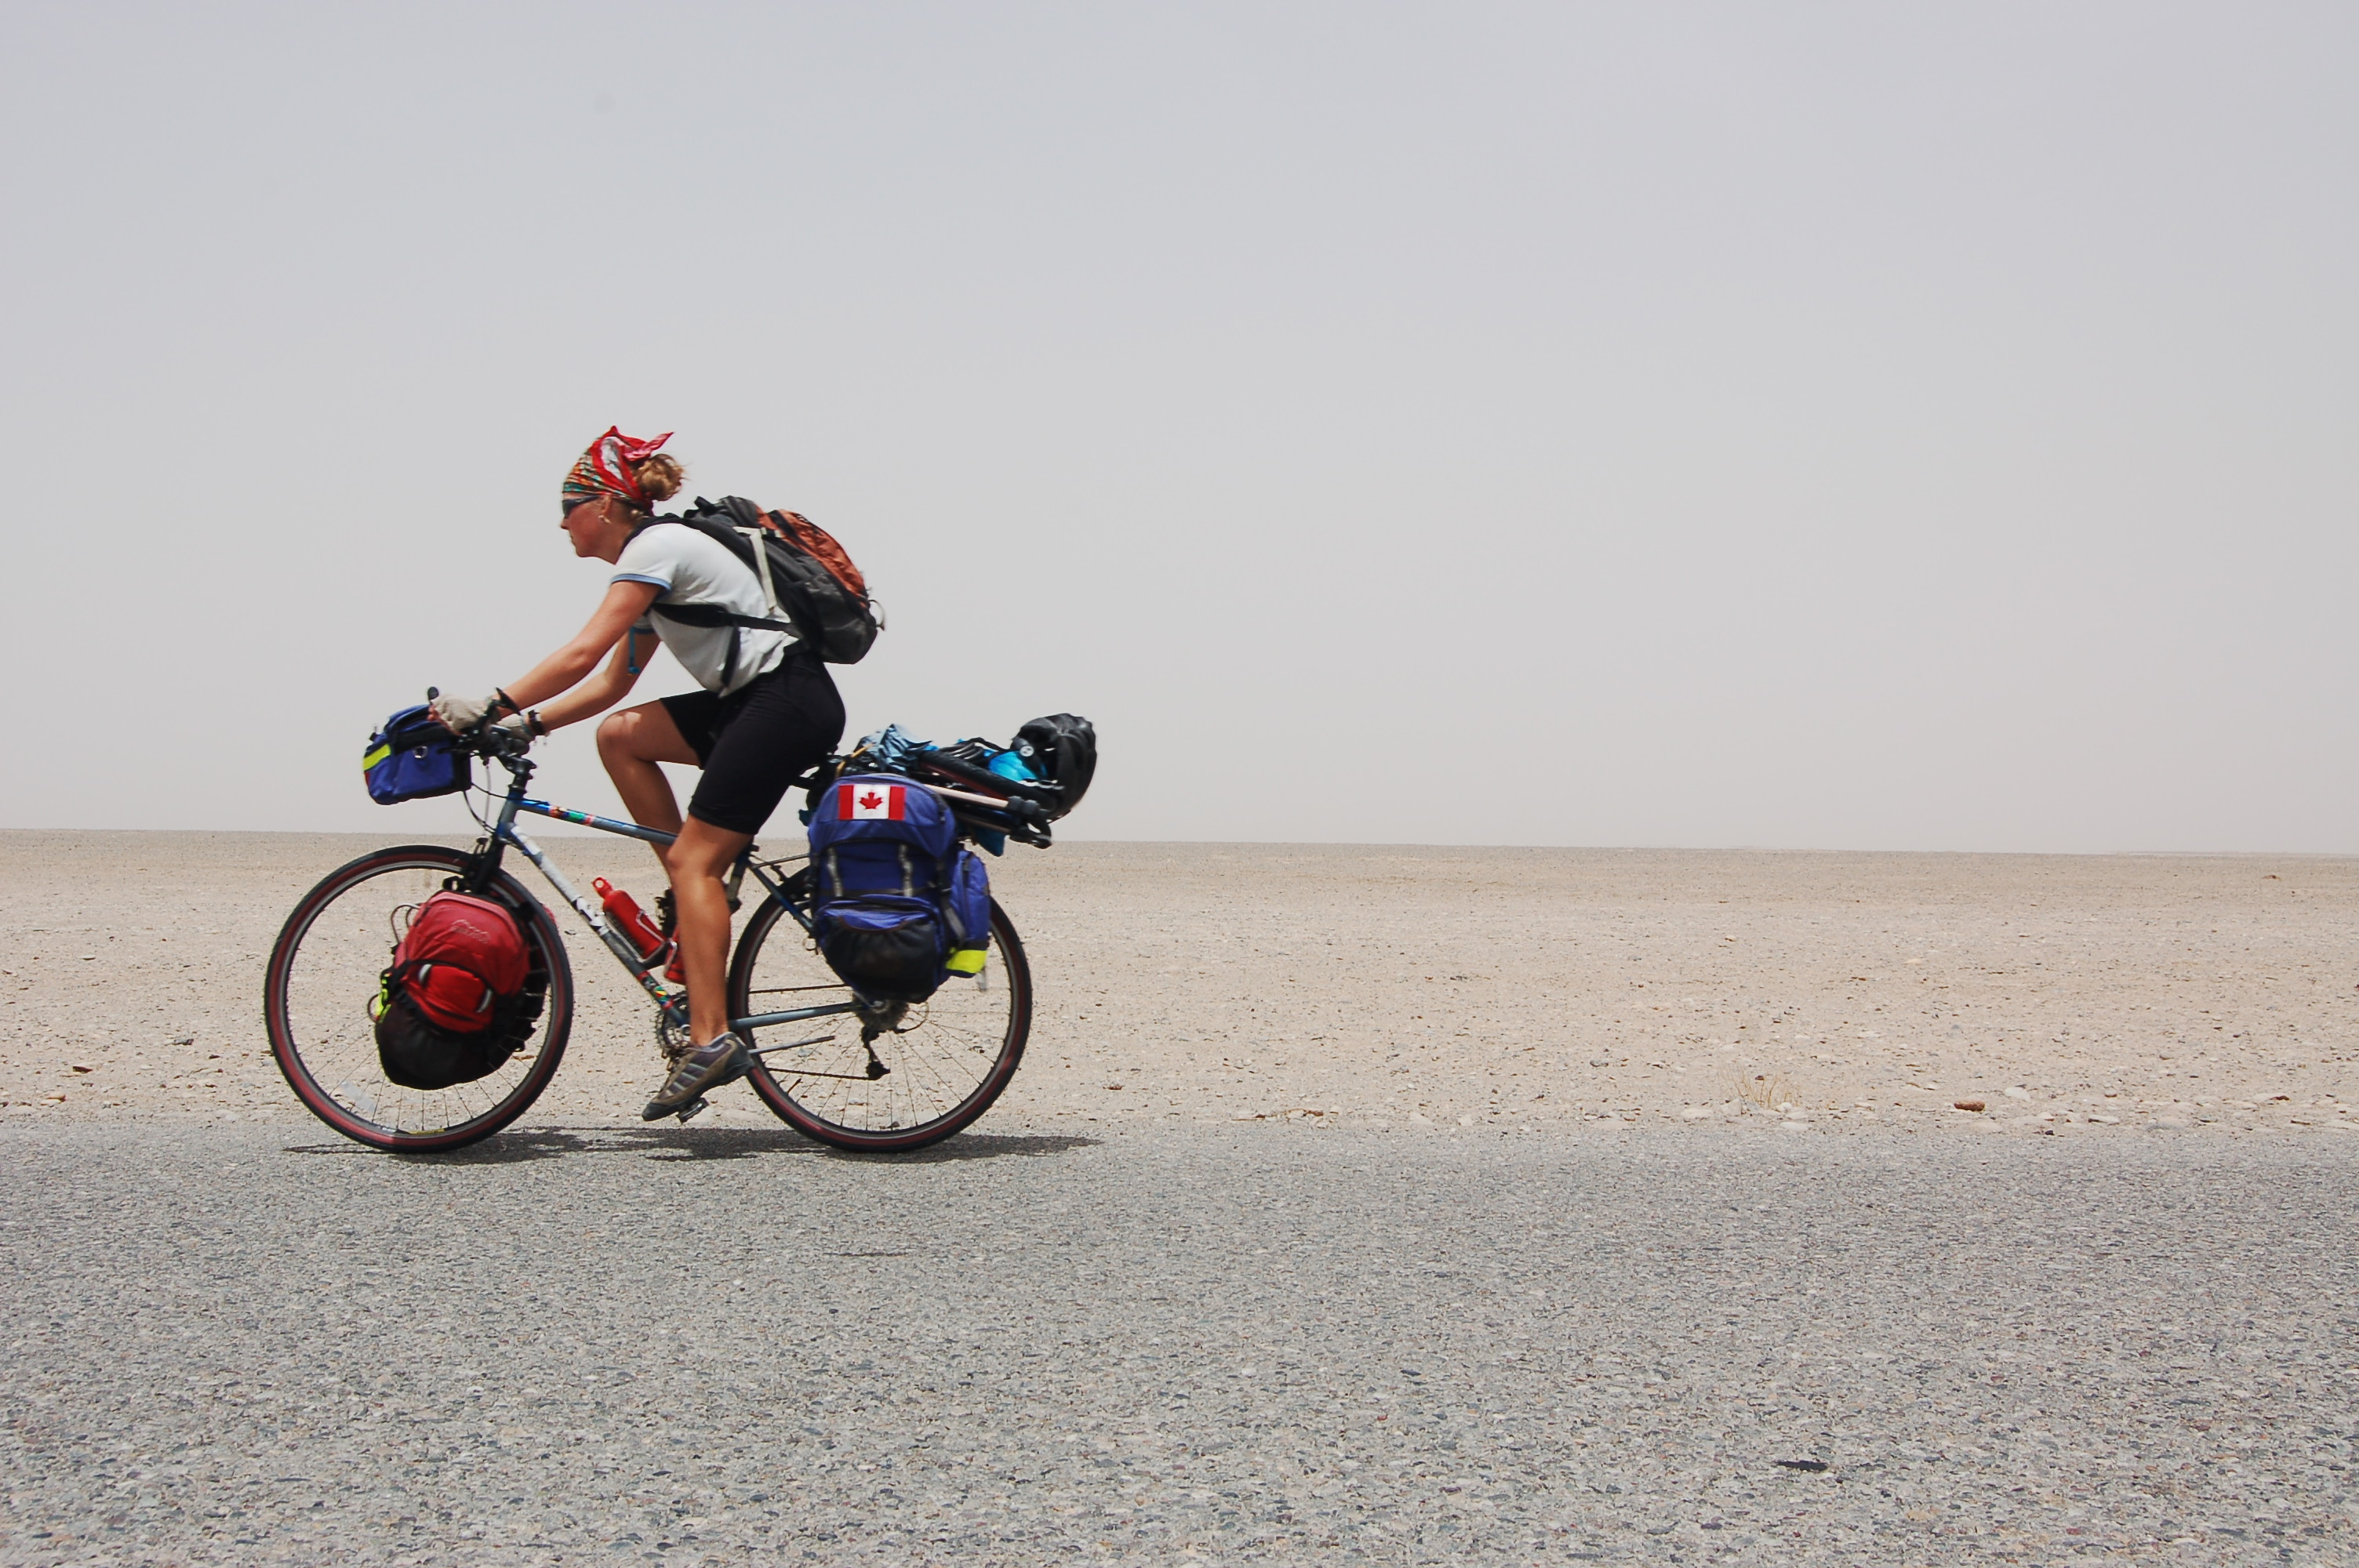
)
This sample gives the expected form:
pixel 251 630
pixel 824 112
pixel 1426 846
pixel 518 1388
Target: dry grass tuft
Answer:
pixel 1770 1091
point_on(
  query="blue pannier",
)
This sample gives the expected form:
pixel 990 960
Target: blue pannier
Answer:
pixel 898 904
pixel 411 758
pixel 966 904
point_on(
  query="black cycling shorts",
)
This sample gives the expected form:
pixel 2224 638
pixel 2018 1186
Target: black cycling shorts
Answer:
pixel 754 741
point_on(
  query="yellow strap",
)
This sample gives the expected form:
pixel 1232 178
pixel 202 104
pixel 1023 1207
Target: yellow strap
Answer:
pixel 371 759
pixel 965 961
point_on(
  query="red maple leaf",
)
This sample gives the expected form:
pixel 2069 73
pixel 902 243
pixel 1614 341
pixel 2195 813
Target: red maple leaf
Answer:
pixel 871 801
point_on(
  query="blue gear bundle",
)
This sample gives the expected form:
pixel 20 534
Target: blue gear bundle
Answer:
pixel 898 904
pixel 997 792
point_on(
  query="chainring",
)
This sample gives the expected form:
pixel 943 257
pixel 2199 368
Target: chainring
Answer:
pixel 671 1030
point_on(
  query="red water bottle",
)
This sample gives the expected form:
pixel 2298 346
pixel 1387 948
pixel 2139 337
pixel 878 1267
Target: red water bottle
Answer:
pixel 631 920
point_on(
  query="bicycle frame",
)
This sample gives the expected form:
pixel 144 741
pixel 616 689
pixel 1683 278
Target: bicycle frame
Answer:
pixel 504 832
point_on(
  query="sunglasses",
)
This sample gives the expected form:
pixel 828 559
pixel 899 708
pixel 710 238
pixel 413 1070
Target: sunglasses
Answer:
pixel 567 505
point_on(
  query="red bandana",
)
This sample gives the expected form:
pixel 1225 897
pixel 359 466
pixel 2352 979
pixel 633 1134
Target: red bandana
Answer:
pixel 606 468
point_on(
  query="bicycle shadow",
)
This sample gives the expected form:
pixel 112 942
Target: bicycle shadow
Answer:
pixel 671 1145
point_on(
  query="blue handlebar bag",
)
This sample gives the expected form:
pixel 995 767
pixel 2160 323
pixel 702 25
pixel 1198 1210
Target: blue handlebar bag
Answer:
pixel 411 758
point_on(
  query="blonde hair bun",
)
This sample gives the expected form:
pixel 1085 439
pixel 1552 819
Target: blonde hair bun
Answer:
pixel 659 477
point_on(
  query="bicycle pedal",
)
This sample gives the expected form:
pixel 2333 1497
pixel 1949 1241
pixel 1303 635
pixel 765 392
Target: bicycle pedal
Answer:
pixel 695 1107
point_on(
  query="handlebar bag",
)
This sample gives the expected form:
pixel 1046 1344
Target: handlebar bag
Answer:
pixel 457 1001
pixel 411 758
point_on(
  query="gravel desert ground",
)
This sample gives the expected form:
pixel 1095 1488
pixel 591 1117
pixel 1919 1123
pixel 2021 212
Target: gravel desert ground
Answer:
pixel 1386 1205
pixel 1372 986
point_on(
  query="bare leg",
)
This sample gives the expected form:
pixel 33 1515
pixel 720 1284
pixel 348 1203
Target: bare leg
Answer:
pixel 631 743
pixel 697 859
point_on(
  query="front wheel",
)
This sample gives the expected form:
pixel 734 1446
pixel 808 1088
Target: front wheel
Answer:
pixel 324 973
pixel 942 1065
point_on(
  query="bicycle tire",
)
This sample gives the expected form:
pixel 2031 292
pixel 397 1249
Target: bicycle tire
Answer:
pixel 950 1068
pixel 323 972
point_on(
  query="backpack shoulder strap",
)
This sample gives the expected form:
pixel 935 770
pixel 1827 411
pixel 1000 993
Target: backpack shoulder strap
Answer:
pixel 741 528
pixel 713 615
pixel 719 533
pixel 741 542
pixel 761 565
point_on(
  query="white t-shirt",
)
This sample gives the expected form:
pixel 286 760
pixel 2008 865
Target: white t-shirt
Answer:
pixel 692 569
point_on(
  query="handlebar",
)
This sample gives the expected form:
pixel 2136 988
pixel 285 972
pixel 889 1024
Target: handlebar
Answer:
pixel 491 739
pixel 488 739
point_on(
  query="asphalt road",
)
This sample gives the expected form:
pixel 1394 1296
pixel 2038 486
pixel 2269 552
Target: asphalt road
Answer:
pixel 1262 1343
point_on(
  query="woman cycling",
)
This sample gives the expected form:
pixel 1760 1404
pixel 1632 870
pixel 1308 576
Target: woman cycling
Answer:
pixel 768 710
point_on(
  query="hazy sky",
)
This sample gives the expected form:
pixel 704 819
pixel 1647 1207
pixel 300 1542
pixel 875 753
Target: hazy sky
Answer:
pixel 1842 425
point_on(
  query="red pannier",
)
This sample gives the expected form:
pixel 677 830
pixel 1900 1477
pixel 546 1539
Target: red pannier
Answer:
pixel 455 1005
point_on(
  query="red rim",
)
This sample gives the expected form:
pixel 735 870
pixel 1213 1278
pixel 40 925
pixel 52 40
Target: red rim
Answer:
pixel 556 1019
pixel 900 1139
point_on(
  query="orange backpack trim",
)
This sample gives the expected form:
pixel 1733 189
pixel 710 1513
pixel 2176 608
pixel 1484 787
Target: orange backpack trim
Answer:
pixel 820 546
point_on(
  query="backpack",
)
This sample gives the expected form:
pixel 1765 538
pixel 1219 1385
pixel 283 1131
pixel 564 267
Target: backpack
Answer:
pixel 455 1004
pixel 805 574
pixel 898 904
pixel 411 758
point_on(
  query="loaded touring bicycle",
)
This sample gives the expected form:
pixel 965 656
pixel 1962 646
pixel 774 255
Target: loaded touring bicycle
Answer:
pixel 865 1063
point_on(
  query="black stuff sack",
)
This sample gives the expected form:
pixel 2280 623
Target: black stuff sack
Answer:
pixel 1063 749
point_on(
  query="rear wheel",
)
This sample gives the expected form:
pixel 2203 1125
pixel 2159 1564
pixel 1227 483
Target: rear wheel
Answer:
pixel 944 1061
pixel 324 973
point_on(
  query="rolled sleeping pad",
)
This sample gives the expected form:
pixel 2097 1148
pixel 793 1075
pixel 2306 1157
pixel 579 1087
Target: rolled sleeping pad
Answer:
pixel 1039 790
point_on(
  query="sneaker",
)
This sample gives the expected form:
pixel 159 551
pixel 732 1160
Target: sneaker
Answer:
pixel 702 1070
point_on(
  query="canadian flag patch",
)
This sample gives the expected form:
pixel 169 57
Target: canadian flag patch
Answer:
pixel 868 802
